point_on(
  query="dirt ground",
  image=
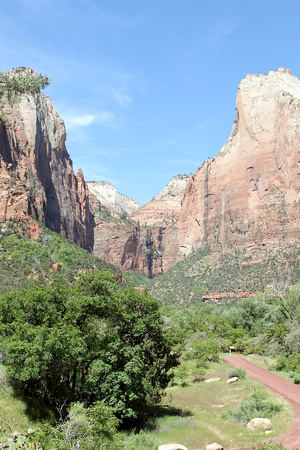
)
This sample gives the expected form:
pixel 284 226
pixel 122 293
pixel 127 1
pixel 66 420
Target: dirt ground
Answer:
pixel 285 388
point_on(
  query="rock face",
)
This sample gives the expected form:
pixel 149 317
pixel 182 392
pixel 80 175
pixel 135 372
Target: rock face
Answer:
pixel 248 196
pixel 164 209
pixel 133 247
pixel 109 198
pixel 36 174
pixel 136 246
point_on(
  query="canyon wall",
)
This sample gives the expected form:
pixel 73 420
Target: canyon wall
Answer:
pixel 248 196
pixel 36 173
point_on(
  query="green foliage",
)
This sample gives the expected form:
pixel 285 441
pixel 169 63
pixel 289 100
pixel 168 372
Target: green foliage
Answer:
pixel 22 259
pixel 237 372
pixel 270 446
pixel 14 85
pixel 84 428
pixel 86 342
pixel 230 272
pixel 257 405
pixel 288 363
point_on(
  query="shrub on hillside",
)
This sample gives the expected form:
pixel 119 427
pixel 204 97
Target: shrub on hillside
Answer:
pixel 237 372
pixel 257 405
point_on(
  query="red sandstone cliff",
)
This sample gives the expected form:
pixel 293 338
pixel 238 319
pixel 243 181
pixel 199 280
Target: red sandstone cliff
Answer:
pixel 149 245
pixel 36 174
pixel 248 196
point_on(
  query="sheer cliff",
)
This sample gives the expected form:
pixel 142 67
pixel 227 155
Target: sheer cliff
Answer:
pixel 248 196
pixel 36 173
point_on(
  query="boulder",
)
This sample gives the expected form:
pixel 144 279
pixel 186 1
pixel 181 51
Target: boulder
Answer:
pixel 259 424
pixel 172 447
pixel 232 380
pixel 214 446
pixel 212 380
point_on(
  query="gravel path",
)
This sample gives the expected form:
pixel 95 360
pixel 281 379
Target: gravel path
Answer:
pixel 285 388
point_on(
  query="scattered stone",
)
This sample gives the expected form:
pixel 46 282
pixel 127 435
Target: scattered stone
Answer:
pixel 259 424
pixel 214 446
pixel 269 431
pixel 212 380
pixel 172 447
pixel 232 380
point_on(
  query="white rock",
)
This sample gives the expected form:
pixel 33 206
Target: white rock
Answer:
pixel 214 446
pixel 212 380
pixel 259 424
pixel 172 447
pixel 111 199
pixel 232 380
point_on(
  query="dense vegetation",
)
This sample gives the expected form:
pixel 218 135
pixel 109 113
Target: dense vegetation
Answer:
pixel 99 354
pixel 236 272
pixel 24 257
pixel 86 342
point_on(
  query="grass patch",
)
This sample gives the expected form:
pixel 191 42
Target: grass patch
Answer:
pixel 198 421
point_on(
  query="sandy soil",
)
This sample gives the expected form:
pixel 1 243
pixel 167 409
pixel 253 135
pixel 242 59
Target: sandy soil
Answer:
pixel 285 388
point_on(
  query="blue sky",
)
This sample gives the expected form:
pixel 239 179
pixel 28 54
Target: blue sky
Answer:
pixel 147 89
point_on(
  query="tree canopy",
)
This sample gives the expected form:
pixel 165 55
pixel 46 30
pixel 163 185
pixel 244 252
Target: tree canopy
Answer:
pixel 87 342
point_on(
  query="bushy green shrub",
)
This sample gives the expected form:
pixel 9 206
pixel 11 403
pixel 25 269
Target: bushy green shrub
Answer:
pixel 290 363
pixel 258 405
pixel 237 372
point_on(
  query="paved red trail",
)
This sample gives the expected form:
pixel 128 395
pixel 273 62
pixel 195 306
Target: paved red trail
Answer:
pixel 285 388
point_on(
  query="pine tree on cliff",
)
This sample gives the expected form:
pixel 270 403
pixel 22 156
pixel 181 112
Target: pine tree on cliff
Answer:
pixel 16 83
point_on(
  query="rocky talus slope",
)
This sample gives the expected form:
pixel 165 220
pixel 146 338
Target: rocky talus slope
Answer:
pixel 248 196
pixel 36 173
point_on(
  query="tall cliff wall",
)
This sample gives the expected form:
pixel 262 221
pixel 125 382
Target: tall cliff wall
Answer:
pixel 36 173
pixel 248 196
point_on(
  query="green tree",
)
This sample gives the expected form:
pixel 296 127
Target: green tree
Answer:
pixel 87 342
pixel 14 84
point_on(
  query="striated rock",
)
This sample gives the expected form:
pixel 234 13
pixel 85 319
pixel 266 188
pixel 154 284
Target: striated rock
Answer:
pixel 248 196
pixel 259 424
pixel 164 209
pixel 132 247
pixel 111 200
pixel 36 174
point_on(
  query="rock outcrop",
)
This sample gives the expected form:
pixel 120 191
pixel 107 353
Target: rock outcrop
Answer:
pixel 164 209
pixel 110 199
pixel 148 243
pixel 248 196
pixel 36 173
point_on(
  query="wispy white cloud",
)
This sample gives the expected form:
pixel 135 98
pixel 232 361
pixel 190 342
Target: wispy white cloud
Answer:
pixel 79 121
pixel 75 121
pixel 121 97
